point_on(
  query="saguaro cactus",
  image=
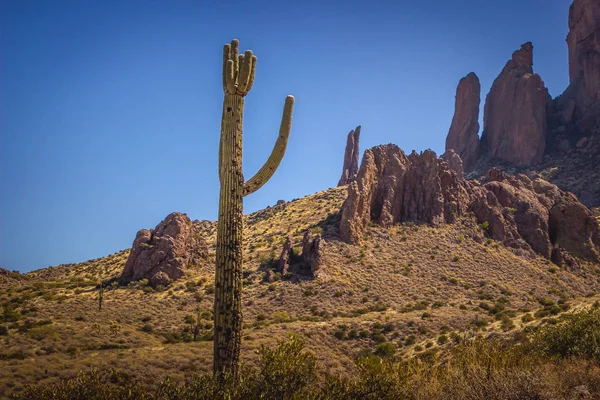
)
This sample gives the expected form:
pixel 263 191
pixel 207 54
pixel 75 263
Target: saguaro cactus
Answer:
pixel 238 77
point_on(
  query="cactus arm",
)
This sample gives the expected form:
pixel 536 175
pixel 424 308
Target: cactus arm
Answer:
pixel 226 57
pixel 269 168
pixel 230 72
pixel 245 71
pixel 239 71
pixel 251 78
pixel 235 45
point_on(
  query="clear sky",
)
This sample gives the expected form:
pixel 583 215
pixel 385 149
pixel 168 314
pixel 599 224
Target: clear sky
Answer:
pixel 110 110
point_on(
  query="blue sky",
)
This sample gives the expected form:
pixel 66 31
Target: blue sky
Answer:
pixel 110 110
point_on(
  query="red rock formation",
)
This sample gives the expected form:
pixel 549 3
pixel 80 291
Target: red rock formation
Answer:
pixel 284 259
pixel 463 134
pixel 163 254
pixel 454 162
pixel 350 158
pixel 584 55
pixel 515 112
pixel 312 253
pixel 392 187
pixel 524 214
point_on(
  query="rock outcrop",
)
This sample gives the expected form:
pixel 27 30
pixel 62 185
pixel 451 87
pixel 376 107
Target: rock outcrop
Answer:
pixel 530 216
pixel 164 253
pixel 284 259
pixel 454 162
pixel 392 188
pixel 312 253
pixel 515 113
pixel 584 59
pixel 350 158
pixel 463 134
pixel 576 168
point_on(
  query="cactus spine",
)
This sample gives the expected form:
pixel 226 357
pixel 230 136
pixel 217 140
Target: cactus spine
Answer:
pixel 238 77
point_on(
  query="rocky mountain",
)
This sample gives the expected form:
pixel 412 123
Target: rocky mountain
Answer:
pixel 463 135
pixel 515 120
pixel 350 168
pixel 526 131
pixel 524 214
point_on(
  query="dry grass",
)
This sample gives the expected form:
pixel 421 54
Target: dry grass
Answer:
pixel 408 285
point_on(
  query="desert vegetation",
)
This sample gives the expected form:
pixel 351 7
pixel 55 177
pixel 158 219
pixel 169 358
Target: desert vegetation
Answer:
pixel 553 361
pixel 407 292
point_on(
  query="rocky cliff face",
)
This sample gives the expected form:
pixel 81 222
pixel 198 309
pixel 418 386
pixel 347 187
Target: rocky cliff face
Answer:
pixel 454 162
pixel 515 119
pixel 164 253
pixel 463 134
pixel 350 158
pixel 584 57
pixel 392 188
pixel 526 215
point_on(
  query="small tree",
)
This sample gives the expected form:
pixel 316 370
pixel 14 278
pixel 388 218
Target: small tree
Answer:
pixel 194 323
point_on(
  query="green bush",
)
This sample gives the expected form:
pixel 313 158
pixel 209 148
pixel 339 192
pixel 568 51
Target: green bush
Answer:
pixel 385 350
pixel 558 358
pixel 91 385
pixel 578 336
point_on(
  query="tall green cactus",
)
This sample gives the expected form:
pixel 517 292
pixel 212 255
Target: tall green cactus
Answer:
pixel 238 77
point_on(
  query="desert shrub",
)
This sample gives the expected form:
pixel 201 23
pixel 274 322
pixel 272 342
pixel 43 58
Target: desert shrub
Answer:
pixel 172 337
pixel 340 334
pixel 527 318
pixel 385 350
pixel 507 323
pixel 90 385
pixel 557 359
pixel 10 314
pixel 577 336
pixel 286 372
pixel 42 332
pixel 376 379
pixel 281 316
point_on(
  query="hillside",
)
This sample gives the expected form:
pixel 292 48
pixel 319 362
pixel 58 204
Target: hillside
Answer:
pixel 413 285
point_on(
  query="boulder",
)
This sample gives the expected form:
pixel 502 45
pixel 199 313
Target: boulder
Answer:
pixel 574 228
pixel 159 279
pixel 463 134
pixel 165 252
pixel 351 155
pixel 515 119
